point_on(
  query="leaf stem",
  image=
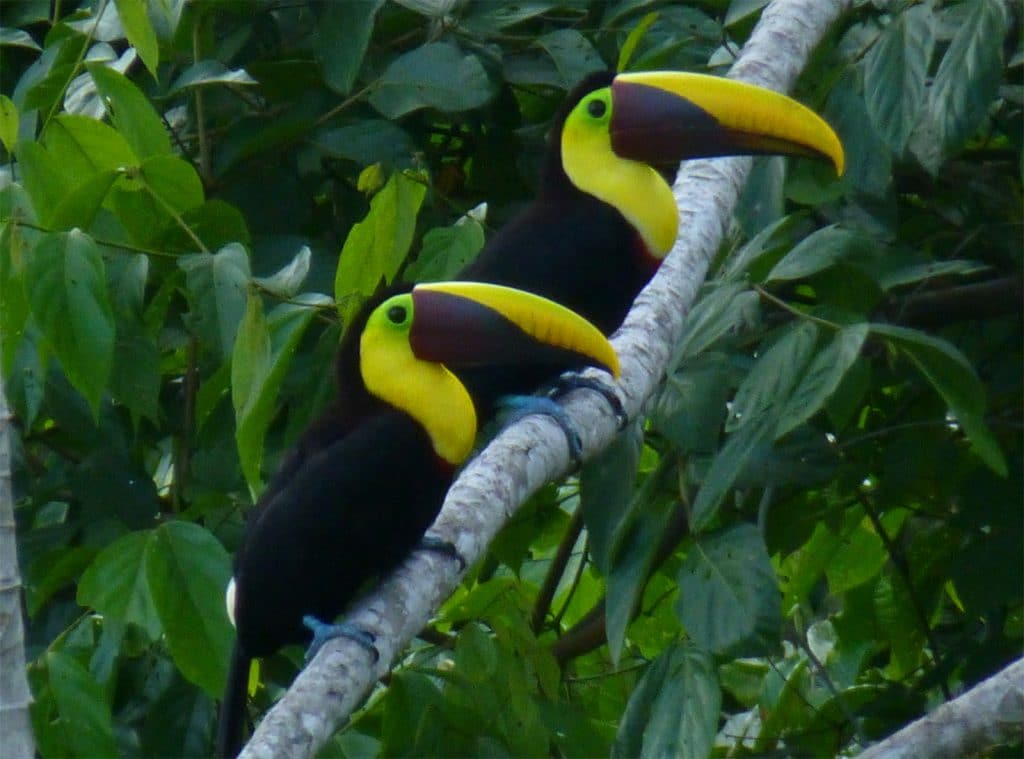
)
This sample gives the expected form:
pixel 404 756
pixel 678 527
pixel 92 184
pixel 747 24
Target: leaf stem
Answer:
pixel 796 312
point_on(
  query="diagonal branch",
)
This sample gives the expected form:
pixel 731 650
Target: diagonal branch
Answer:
pixel 527 455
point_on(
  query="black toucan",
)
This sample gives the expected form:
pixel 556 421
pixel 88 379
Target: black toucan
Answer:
pixel 349 507
pixel 605 217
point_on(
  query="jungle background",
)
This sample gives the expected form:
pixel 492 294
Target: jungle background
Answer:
pixel 816 536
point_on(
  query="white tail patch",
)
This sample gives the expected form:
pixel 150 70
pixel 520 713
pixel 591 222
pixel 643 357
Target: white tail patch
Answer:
pixel 229 601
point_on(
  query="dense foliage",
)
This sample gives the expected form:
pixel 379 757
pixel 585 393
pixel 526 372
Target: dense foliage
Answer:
pixel 815 538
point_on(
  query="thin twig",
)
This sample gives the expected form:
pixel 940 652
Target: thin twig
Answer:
pixel 558 564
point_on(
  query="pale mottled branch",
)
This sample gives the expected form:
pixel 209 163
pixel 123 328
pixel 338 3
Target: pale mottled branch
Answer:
pixel 988 715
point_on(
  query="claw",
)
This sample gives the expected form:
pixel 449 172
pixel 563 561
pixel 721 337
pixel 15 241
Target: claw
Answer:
pixel 520 406
pixel 573 381
pixel 323 632
pixel 443 547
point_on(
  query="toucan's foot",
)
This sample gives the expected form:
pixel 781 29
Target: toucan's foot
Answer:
pixel 323 632
pixel 443 547
pixel 573 381
pixel 519 406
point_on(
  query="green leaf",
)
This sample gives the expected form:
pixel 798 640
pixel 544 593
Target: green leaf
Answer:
pixel 607 483
pixel 206 73
pixel 953 377
pixel 262 355
pixel 573 55
pixel 115 584
pixel 727 308
pixel 436 75
pixel 187 570
pixel 894 75
pixel 84 718
pixel 968 77
pixel 42 176
pixel 18 38
pixel 818 251
pixel 140 32
pixel 692 406
pixel 285 283
pixel 861 553
pixel 633 550
pixel 632 39
pixel 446 251
pixel 822 378
pixel 84 146
pixel 172 181
pixel 743 447
pixel 868 158
pixel 728 594
pixel 674 709
pixel 8 123
pixel 131 112
pixel 250 365
pixel 64 278
pixel 366 142
pixel 377 245
pixel 344 34
pixel 216 285
pixel 135 378
pixel 777 370
pixel 78 208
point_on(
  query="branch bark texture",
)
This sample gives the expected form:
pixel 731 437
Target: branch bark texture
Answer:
pixel 990 714
pixel 532 452
pixel 15 726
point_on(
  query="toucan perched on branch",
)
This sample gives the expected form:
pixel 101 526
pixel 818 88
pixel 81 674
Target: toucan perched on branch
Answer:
pixel 351 508
pixel 604 217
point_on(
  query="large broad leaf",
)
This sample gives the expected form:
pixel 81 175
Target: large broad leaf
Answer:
pixel 446 251
pixel 206 73
pixel 673 710
pixel 216 285
pixel 85 723
pixel 376 246
pixel 187 570
pixel 78 208
pixel 436 75
pixel 819 251
pixel 67 290
pixel 953 377
pixel 263 352
pixel 130 111
pixel 634 547
pixel 743 449
pixel 140 32
pixel 728 595
pixel 366 142
pixel 573 55
pixel 868 158
pixel 84 146
pixel 727 308
pixel 344 34
pixel 115 584
pixel 822 378
pixel 969 75
pixel 607 482
pixel 894 75
pixel 778 369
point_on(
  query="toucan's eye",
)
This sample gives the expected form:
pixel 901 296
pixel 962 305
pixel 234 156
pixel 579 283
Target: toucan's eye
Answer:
pixel 596 108
pixel 397 314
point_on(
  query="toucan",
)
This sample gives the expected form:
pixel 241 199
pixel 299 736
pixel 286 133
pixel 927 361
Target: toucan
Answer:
pixel 604 216
pixel 345 512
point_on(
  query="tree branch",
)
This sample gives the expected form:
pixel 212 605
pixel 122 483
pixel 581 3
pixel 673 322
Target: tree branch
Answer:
pixel 532 452
pixel 988 715
pixel 15 726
